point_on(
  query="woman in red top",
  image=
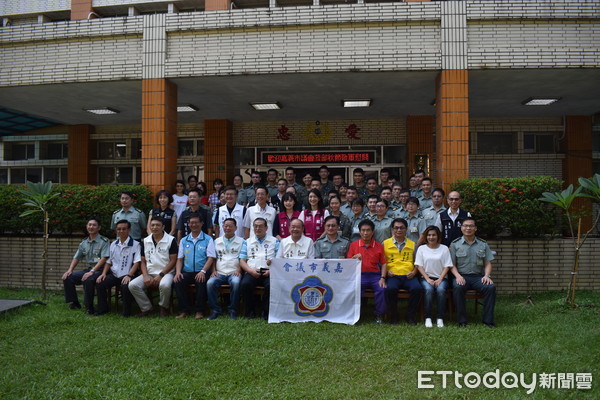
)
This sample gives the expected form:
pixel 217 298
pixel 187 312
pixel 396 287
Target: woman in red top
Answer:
pixel 281 225
pixel 203 195
pixel 314 216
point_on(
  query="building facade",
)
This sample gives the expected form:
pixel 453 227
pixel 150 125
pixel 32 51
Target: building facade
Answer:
pixel 449 87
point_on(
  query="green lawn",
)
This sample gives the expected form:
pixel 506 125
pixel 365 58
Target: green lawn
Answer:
pixel 51 352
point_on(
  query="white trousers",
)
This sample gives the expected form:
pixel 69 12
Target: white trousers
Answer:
pixel 137 286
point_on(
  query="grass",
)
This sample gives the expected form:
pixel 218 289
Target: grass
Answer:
pixel 50 352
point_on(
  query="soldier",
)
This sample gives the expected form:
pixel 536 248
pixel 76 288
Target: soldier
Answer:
pixel 134 215
pixel 472 258
pixel 332 244
pixel 94 250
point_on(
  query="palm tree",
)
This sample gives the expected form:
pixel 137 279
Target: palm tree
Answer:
pixel 589 188
pixel 38 196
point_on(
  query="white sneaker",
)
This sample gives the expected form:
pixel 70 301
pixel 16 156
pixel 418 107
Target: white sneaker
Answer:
pixel 440 323
pixel 428 323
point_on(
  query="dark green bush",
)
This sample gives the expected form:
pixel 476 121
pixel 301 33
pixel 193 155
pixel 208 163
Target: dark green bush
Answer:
pixel 69 211
pixel 510 205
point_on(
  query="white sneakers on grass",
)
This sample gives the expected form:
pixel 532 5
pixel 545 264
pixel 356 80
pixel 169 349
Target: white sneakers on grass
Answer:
pixel 429 324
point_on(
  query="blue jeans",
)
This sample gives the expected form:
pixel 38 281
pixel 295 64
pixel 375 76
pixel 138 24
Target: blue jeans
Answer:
pixel 440 294
pixel 212 288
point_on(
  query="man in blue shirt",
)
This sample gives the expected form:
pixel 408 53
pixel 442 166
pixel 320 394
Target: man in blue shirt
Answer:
pixel 194 263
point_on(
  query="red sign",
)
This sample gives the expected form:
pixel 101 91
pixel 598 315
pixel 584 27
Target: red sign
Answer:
pixel 322 157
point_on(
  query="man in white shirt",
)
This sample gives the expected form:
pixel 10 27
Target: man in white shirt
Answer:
pixel 255 259
pixel 296 245
pixel 227 270
pixel 231 209
pixel 159 254
pixel 450 220
pixel 119 269
pixel 260 210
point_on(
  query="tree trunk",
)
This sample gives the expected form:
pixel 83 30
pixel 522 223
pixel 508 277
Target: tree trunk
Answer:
pixel 45 255
pixel 573 284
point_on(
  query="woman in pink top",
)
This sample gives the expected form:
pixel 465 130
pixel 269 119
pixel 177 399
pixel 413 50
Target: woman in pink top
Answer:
pixel 281 225
pixel 314 216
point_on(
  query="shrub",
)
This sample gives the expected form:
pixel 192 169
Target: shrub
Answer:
pixel 69 211
pixel 509 205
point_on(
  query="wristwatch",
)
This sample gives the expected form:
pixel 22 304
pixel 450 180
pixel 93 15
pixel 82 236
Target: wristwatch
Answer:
pixel 162 274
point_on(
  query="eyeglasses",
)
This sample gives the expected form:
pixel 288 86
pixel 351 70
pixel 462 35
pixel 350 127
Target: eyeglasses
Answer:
pixel 400 228
pixel 453 199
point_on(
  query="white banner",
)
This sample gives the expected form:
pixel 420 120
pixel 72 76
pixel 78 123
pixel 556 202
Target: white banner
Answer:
pixel 315 290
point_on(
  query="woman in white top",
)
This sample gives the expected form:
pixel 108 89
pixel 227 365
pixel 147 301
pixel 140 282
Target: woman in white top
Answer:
pixel 434 263
pixel 180 199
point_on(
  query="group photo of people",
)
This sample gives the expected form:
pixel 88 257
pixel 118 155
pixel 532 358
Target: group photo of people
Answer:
pixel 412 237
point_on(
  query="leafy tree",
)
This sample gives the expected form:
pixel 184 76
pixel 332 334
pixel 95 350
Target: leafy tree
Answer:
pixel 38 197
pixel 589 188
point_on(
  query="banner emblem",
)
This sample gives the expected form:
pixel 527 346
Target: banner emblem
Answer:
pixel 312 297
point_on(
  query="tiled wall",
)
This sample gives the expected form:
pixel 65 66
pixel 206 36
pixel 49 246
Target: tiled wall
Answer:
pixel 368 37
pixel 524 266
pixel 370 132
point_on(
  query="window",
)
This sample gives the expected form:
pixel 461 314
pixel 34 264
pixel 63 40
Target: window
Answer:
pixel 112 150
pixel 55 175
pixel 115 175
pixel 496 142
pixel 190 147
pixel 540 143
pixel 393 154
pixel 3 176
pixel 34 175
pixel 53 151
pixel 596 141
pixel 19 151
pixel 136 149
pixel 17 176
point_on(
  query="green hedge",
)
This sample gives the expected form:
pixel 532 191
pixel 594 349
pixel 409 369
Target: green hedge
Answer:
pixel 510 205
pixel 70 210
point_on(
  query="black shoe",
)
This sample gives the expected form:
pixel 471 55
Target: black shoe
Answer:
pixel 213 315
pixel 232 315
pixel 490 325
pixel 462 324
pixel 411 322
pixel 249 315
pixel 90 311
pixel 74 306
pixel 98 313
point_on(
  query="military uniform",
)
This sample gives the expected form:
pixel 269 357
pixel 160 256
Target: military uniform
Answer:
pixel 136 218
pixel 90 252
pixel 430 215
pixel 383 228
pixel 469 260
pixel 325 248
pixel 416 226
pixel 425 202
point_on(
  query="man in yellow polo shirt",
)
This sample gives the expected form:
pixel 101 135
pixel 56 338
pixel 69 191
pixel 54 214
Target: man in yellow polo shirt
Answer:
pixel 401 271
